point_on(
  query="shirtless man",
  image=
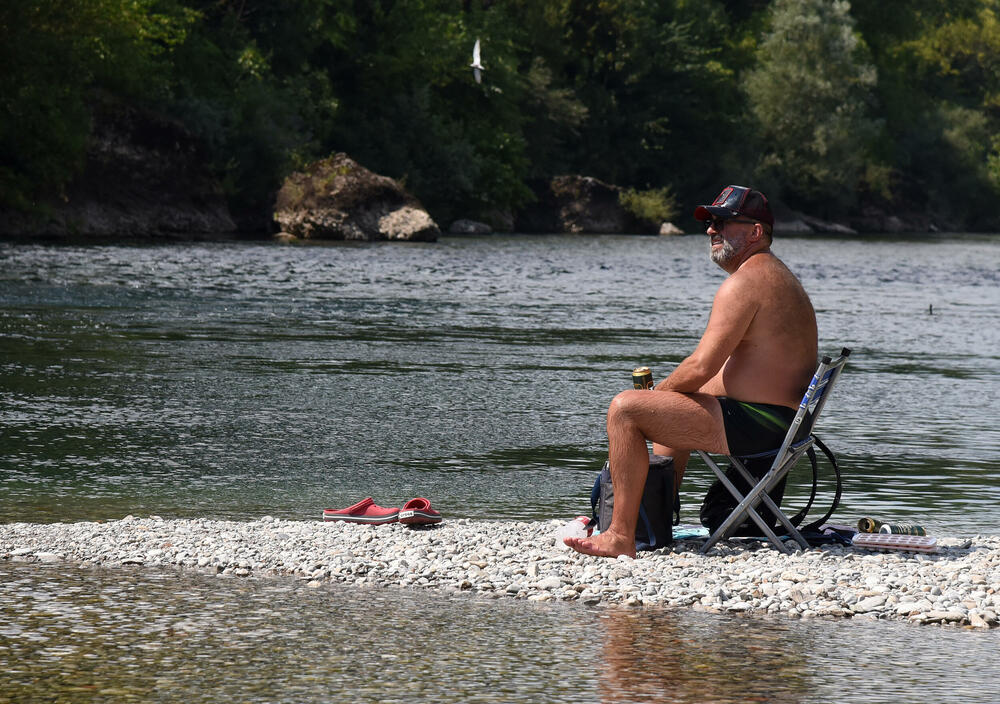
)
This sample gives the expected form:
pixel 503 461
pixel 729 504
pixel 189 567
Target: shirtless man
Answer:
pixel 738 391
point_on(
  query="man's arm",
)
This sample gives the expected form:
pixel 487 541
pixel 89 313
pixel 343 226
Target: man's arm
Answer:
pixel 733 310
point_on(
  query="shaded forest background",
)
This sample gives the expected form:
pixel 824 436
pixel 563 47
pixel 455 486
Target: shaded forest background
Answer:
pixel 830 107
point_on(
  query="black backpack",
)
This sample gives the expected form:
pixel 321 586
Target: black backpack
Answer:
pixel 658 512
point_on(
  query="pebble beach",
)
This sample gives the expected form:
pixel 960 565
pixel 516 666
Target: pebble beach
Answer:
pixel 959 585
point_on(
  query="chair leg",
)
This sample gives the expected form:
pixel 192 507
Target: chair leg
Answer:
pixel 736 516
pixel 768 481
pixel 747 506
pixel 741 509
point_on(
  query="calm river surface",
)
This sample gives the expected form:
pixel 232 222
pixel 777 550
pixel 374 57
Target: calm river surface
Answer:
pixel 234 380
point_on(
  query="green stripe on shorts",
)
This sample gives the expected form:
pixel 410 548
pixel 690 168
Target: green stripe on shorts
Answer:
pixel 767 419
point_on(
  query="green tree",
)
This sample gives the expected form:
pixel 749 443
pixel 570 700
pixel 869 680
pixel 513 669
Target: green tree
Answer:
pixel 408 106
pixel 958 59
pixel 54 55
pixel 933 155
pixel 811 92
pixel 245 83
pixel 647 95
pixel 632 92
pixel 679 103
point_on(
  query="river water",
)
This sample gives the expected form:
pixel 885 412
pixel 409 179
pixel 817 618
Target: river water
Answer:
pixel 236 380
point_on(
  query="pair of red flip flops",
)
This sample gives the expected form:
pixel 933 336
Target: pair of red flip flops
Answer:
pixel 416 511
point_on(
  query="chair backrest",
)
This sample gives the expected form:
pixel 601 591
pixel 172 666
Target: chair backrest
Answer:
pixel 812 403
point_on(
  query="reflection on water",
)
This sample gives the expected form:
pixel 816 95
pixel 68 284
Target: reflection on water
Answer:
pixel 664 656
pixel 679 657
pixel 71 634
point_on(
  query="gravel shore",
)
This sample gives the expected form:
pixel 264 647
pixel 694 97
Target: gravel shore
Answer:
pixel 959 585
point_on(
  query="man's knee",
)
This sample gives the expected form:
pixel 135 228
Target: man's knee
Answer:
pixel 623 408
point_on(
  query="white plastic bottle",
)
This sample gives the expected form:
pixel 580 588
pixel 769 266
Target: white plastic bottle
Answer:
pixel 579 527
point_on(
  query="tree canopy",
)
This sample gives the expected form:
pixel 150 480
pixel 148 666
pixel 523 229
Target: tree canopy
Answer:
pixel 827 104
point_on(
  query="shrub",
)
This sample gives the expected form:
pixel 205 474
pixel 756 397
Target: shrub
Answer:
pixel 654 205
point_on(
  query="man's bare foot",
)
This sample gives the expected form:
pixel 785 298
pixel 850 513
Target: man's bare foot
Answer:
pixel 604 545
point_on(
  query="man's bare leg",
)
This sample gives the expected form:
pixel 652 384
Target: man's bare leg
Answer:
pixel 668 418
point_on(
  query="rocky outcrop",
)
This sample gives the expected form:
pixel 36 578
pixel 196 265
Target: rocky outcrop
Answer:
pixel 873 219
pixel 338 199
pixel 869 221
pixel 500 219
pixel 143 176
pixel 580 204
pixel 794 223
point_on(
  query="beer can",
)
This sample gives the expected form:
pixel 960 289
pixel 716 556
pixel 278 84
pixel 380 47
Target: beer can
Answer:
pixel 869 525
pixel 903 529
pixel 642 378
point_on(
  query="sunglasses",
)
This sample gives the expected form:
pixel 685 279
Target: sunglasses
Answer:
pixel 719 224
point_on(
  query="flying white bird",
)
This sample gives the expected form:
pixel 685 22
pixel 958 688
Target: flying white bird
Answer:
pixel 477 67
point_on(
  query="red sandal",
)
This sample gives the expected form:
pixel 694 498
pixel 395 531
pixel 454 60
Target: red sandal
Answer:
pixel 365 511
pixel 418 511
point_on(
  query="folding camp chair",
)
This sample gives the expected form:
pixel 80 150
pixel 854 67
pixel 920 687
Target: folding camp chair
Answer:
pixel 798 440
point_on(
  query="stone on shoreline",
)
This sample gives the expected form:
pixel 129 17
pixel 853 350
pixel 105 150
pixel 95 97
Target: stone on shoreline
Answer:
pixel 338 199
pixel 960 585
pixel 469 227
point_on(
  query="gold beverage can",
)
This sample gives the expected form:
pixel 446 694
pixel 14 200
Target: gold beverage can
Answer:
pixel 642 378
pixel 903 529
pixel 869 525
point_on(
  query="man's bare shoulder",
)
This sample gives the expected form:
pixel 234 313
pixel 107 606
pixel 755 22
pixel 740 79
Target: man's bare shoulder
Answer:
pixel 764 269
pixel 778 292
pixel 762 263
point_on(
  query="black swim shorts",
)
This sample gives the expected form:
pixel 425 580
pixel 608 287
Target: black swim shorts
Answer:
pixel 752 428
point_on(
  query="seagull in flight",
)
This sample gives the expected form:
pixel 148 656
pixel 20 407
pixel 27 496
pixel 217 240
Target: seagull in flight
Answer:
pixel 477 67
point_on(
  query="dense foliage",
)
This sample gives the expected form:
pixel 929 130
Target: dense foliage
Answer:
pixel 830 105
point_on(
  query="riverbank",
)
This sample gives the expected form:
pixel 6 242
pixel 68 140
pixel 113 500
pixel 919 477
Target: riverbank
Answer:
pixel 959 585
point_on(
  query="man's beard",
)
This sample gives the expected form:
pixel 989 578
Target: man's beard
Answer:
pixel 724 254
